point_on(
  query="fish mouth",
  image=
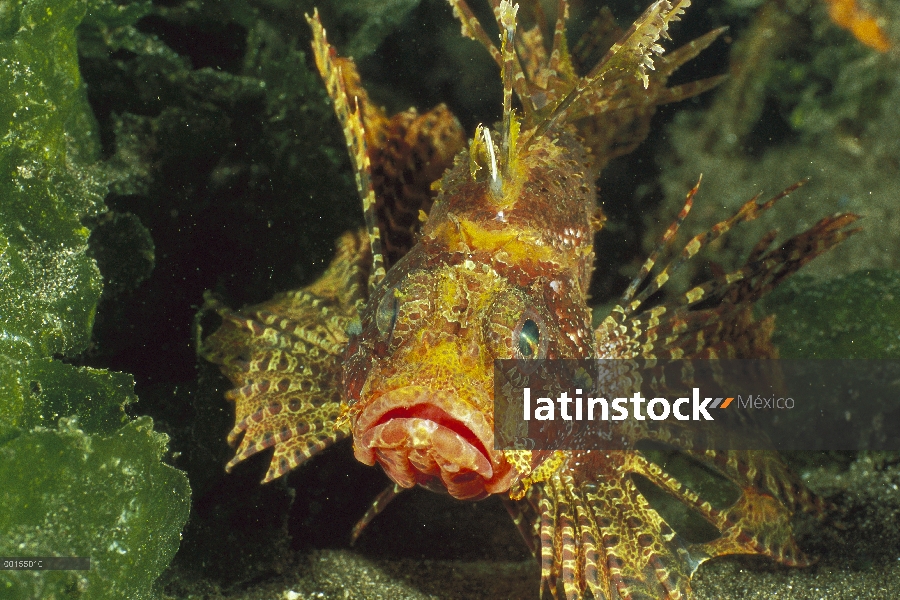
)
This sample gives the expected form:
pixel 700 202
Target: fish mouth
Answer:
pixel 432 439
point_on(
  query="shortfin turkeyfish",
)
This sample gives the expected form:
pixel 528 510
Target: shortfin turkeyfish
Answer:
pixel 482 249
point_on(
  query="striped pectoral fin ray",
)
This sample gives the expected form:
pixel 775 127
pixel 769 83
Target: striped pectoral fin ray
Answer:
pixel 598 531
pixel 724 327
pixel 284 357
pixel 727 329
pixel 711 320
pixel 287 377
pixel 758 522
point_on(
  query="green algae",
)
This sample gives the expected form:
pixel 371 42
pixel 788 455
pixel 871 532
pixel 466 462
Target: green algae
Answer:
pixel 70 493
pixel 47 145
pixel 77 476
pixel 852 316
pixel 39 392
pixel 124 251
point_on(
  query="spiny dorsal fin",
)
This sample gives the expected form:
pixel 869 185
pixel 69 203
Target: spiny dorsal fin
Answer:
pixel 350 114
pixel 396 159
pixel 631 56
pixel 511 68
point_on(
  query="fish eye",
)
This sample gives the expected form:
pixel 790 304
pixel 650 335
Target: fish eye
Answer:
pixel 386 315
pixel 528 340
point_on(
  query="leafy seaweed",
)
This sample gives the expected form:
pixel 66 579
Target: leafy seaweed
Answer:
pixel 69 493
pixel 78 477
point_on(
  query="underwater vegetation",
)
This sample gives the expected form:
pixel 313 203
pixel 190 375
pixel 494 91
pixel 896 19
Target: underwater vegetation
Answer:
pixel 152 152
pixel 78 476
pixel 814 104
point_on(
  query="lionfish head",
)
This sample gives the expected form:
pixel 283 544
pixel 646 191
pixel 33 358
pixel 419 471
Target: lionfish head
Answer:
pixel 420 376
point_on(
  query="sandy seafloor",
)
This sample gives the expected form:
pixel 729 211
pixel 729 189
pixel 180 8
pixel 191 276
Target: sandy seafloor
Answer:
pixel 341 574
pixel 858 547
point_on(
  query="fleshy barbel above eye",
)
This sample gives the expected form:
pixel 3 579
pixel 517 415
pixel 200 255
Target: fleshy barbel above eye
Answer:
pixel 529 338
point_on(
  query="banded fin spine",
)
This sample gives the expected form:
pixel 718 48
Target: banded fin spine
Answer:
pixel 511 71
pixel 350 114
pixel 375 508
pixel 598 531
pixel 725 327
pixel 631 56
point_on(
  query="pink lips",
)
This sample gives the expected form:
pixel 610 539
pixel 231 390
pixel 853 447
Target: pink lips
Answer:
pixel 432 439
